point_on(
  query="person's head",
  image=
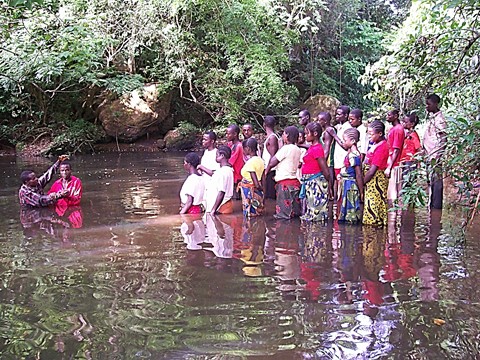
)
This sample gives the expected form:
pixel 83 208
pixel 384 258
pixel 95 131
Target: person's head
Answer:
pixel 376 131
pixel 342 114
pixel 269 122
pixel 432 103
pixel 303 117
pixel 233 131
pixel 29 178
pixel 324 119
pixel 301 137
pixel 223 153
pixel 191 160
pixel 410 121
pixel 313 131
pixel 351 136
pixel 392 116
pixel 250 146
pixel 290 135
pixel 247 131
pixel 65 170
pixel 355 117
pixel 209 139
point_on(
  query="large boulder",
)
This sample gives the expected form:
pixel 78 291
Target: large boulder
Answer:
pixel 320 103
pixel 135 114
pixel 180 140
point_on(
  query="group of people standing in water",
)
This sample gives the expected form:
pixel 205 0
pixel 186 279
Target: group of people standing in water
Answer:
pixel 361 167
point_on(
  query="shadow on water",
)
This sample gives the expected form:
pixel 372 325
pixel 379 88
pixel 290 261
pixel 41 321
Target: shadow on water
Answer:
pixel 125 277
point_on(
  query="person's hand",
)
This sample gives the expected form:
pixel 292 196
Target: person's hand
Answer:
pixel 63 158
pixel 388 172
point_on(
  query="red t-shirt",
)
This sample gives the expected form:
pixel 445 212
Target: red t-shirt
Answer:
pixel 378 155
pixel 411 145
pixel 236 160
pixel 396 136
pixel 310 162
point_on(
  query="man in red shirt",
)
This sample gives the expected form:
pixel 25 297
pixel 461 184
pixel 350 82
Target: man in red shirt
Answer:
pixel 396 137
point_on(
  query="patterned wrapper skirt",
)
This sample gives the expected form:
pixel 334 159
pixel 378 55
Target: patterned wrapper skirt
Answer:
pixel 252 200
pixel 288 202
pixel 316 196
pixel 375 207
pixel 350 210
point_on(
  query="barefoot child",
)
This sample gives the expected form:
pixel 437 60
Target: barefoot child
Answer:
pixel 351 179
pixel 376 183
pixel 252 178
pixel 191 194
pixel 315 176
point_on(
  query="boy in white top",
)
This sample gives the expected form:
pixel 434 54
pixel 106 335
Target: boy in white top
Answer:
pixel 191 194
pixel 288 186
pixel 220 191
pixel 208 164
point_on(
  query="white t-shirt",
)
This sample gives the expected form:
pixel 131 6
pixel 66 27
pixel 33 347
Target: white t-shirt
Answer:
pixel 194 187
pixel 339 153
pixel 222 180
pixel 363 142
pixel 289 158
pixel 209 160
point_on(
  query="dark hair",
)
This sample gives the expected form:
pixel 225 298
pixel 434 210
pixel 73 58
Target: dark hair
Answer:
pixel 25 175
pixel 251 143
pixel 211 135
pixel 345 109
pixel 352 133
pixel 357 113
pixel 248 124
pixel 413 118
pixel 269 121
pixel 326 114
pixel 66 163
pixel 292 134
pixel 225 151
pixel 434 97
pixel 235 128
pixel 192 159
pixel 304 112
pixel 395 112
pixel 377 126
pixel 314 127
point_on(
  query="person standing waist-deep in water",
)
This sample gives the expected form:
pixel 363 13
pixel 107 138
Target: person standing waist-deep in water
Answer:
pixel 376 183
pixel 288 186
pixel 191 194
pixel 31 192
pixel 434 143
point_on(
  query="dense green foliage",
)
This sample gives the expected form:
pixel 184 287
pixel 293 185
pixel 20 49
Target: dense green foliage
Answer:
pixel 231 60
pixel 436 50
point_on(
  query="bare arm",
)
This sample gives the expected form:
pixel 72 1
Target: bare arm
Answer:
pixel 187 205
pixel 322 162
pixel 337 139
pixel 272 163
pixel 359 178
pixel 218 201
pixel 369 175
pixel 205 170
pixel 256 183
pixel 391 161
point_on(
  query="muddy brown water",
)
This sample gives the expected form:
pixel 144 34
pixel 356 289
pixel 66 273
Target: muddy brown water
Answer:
pixel 128 278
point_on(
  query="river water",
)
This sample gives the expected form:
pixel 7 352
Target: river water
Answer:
pixel 125 277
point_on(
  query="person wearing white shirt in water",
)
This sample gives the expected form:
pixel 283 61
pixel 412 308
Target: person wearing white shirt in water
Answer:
pixel 208 164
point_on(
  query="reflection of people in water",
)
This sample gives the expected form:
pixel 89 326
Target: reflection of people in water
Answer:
pixel 220 235
pixel 429 259
pixel 42 220
pixel 253 240
pixel 31 192
pixel 70 183
pixel 193 231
